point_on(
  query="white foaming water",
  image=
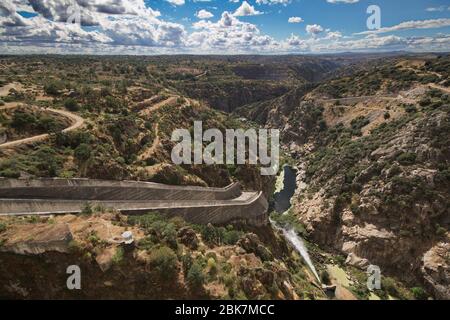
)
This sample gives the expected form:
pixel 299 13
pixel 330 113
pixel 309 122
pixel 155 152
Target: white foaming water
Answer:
pixel 298 243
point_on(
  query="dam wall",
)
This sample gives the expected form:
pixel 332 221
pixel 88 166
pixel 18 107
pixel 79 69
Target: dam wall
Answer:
pixel 197 205
pixel 86 189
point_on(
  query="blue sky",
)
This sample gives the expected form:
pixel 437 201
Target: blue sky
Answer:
pixel 221 26
pixel 346 17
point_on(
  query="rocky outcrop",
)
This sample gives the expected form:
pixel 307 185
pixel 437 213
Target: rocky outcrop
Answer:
pixel 188 237
pixel 298 120
pixel 436 269
pixel 251 244
pixel 37 239
pixel 383 199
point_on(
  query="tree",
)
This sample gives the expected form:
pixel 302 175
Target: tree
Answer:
pixel 48 161
pixel 71 105
pixel 48 124
pixel 83 152
pixel 51 89
pixel 22 120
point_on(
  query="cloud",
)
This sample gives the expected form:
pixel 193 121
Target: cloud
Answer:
pixel 342 1
pixel 118 22
pixel 418 24
pixel 246 10
pixel 227 34
pixel 176 2
pixel 204 14
pixel 314 29
pixel 272 2
pixel 438 9
pixel 295 20
pixel 132 27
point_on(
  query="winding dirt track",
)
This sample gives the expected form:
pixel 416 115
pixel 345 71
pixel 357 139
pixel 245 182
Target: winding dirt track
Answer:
pixel 435 86
pixel 146 112
pixel 77 122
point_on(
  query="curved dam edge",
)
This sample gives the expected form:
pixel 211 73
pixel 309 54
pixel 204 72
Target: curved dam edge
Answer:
pixel 199 205
pixel 90 190
pixel 251 209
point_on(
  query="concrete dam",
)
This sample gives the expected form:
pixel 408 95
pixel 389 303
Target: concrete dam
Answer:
pixel 197 205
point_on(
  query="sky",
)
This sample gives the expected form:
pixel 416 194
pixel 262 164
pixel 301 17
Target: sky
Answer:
pixel 223 26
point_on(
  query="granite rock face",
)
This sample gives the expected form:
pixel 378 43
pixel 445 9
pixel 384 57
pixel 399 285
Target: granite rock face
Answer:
pixel 436 270
pixel 38 239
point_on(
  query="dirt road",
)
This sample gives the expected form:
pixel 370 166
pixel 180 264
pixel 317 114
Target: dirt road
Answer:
pixel 77 122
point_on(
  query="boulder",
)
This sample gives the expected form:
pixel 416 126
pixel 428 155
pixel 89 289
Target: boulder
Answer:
pixel 188 237
pixel 251 244
pixel 355 261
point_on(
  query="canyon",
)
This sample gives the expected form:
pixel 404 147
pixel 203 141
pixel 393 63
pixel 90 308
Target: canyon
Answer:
pixel 367 135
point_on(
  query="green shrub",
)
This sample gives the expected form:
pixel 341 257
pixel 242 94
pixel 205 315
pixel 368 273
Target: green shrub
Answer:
pixel 71 104
pixel 407 158
pixel 10 173
pixel 212 266
pixel 325 277
pixel 22 120
pixel 389 285
pixel 219 235
pixel 118 256
pixel 47 161
pixel 440 231
pixel 424 102
pixel 186 261
pixel 87 209
pixel 47 124
pixel 419 293
pixel 52 88
pixel 94 239
pixel 158 226
pixel 164 261
pixel 83 152
pixel 2 227
pixel 231 237
pixel 195 277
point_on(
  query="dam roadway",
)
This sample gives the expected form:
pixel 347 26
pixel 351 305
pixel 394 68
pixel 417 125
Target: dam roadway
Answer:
pixel 195 204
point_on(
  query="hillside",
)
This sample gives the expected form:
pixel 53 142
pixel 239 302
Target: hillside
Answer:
pixel 171 260
pixel 373 152
pixel 367 134
pixel 129 121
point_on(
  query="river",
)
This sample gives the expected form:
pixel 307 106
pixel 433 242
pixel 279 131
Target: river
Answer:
pixel 286 188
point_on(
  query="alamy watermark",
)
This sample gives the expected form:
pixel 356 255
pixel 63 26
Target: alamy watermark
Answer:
pixel 374 20
pixel 231 150
pixel 374 278
pixel 74 13
pixel 74 280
